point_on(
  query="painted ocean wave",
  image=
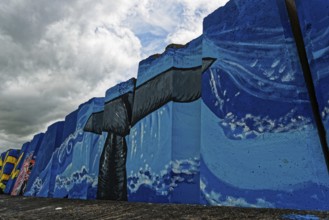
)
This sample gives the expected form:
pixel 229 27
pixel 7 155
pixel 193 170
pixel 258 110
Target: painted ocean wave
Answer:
pixel 164 182
pixel 250 126
pixel 256 85
pixel 305 195
pixel 59 161
pixel 214 198
pixel 79 177
pixel 67 146
pixel 254 65
pixel 251 120
pixel 35 188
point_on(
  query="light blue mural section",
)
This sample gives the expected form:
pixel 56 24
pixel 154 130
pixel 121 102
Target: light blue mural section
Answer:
pixel 64 158
pixel 300 217
pixel 278 170
pixel 164 147
pixel 149 157
pixel 79 179
pixel 186 133
pixel 185 174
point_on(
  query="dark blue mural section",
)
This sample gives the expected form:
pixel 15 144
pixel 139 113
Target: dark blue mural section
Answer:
pixel 51 141
pixel 72 170
pixel 314 24
pixel 227 119
pixel 259 139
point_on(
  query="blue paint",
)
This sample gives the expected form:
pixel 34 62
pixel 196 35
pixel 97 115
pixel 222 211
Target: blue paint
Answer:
pixel 35 145
pixel 149 147
pixel 81 177
pixel 50 142
pixel 186 152
pixel 300 217
pixel 164 147
pixel 314 22
pixel 120 89
pixel 259 143
pixel 185 57
pixel 78 158
pixel 250 141
pixel 70 124
pixel 281 170
pixel 72 170
pixel 62 157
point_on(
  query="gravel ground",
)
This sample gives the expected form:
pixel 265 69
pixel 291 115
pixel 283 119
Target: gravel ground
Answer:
pixel 45 208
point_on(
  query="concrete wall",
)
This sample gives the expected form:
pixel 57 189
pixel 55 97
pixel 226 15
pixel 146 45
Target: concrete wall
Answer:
pixel 236 117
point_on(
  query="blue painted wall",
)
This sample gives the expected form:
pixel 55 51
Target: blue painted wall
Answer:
pixel 250 140
pixel 62 157
pixel 259 145
pixel 51 140
pixel 83 179
pixel 77 159
pixel 164 147
pixel 149 157
pixel 314 23
pixel 149 145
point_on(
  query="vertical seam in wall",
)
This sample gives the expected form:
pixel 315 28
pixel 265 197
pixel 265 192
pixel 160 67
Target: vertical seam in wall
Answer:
pixel 172 128
pixel 296 29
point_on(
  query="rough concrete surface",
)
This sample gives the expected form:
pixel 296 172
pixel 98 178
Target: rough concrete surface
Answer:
pixel 45 208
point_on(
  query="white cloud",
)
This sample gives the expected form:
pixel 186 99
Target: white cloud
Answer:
pixel 176 21
pixel 57 54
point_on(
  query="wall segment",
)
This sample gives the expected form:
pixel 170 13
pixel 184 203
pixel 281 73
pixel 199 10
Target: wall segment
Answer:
pixel 227 119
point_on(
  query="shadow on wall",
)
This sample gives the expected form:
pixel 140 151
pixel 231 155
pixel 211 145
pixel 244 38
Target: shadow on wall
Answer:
pixel 236 117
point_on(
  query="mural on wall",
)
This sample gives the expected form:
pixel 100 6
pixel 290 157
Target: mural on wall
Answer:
pixel 115 121
pixel 260 146
pixel 13 177
pixel 314 24
pixel 83 173
pixel 72 170
pixel 227 119
pixel 2 158
pixel 9 161
pixel 51 140
pixel 62 157
pixel 163 146
pixel 27 165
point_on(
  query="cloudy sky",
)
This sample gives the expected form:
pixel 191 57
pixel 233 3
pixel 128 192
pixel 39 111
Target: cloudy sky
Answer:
pixel 55 55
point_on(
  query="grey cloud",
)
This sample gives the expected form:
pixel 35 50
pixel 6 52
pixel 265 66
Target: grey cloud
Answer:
pixel 57 54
